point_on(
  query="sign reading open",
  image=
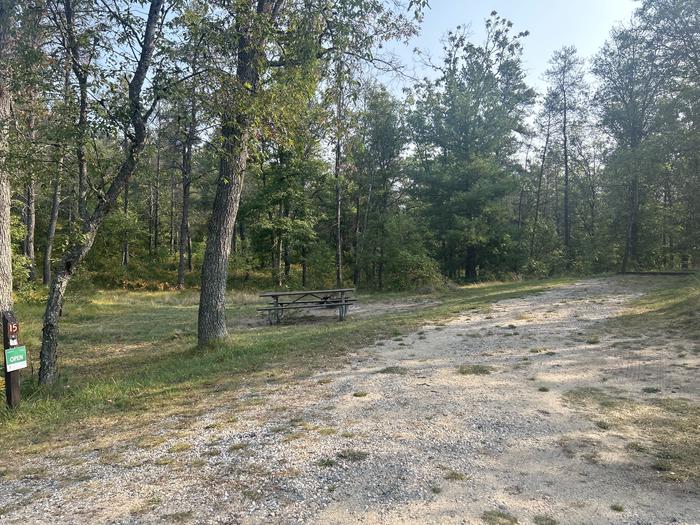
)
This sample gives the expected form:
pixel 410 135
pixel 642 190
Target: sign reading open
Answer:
pixel 15 358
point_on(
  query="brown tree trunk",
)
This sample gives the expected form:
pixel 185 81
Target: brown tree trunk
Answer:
pixel 7 10
pixel 539 185
pixel 567 217
pixel 184 224
pixel 232 165
pixel 53 221
pixel 235 135
pixel 30 224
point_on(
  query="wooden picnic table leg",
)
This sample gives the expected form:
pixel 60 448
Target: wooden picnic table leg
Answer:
pixel 277 309
pixel 341 308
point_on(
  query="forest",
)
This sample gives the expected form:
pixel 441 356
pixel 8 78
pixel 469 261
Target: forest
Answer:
pixel 521 337
pixel 208 145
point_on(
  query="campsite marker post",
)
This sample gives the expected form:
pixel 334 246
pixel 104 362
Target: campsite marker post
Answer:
pixel 15 358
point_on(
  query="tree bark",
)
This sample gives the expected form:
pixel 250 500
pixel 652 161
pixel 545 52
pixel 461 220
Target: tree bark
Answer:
pixel 7 11
pixel 53 221
pixel 567 218
pixel 232 165
pixel 338 199
pixel 185 222
pixel 81 75
pixel 30 224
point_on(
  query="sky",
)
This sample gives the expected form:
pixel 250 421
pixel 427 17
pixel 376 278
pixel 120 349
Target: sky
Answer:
pixel 551 23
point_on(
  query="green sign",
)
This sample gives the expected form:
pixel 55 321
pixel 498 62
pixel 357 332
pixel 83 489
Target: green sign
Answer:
pixel 15 358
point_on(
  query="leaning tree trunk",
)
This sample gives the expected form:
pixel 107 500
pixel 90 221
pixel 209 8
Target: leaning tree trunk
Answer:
pixel 232 165
pixel 53 221
pixel 81 245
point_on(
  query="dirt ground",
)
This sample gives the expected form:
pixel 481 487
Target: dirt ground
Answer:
pixel 470 421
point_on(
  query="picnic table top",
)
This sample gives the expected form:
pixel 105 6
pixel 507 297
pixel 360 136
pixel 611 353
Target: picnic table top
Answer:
pixel 306 292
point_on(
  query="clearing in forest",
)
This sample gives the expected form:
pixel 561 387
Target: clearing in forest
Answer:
pixel 577 404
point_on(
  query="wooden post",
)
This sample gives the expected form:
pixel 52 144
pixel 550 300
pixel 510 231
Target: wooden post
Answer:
pixel 10 337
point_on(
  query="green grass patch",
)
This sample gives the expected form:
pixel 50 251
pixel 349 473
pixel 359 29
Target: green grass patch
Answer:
pixel 496 517
pixel 474 370
pixel 351 454
pixel 393 370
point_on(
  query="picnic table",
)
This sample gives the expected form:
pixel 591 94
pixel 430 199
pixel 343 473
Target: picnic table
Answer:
pixel 307 299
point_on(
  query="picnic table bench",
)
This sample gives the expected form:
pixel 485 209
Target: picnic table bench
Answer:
pixel 308 299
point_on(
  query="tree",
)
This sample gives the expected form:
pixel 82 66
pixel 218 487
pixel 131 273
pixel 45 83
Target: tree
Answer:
pixel 628 97
pixel 464 126
pixel 135 127
pixel 263 52
pixel 566 97
pixel 7 18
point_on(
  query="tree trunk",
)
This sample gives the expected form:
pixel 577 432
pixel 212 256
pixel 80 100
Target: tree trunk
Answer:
pixel 235 135
pixel 539 185
pixel 30 224
pixel 338 200
pixel 185 222
pixel 567 218
pixel 232 165
pixel 631 242
pixel 356 243
pixel 81 76
pixel 125 249
pixel 53 221
pixel 7 11
pixel 173 183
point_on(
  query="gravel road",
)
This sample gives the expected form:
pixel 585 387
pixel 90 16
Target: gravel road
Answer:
pixel 398 435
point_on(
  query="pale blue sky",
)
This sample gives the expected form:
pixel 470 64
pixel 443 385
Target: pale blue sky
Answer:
pixel 552 24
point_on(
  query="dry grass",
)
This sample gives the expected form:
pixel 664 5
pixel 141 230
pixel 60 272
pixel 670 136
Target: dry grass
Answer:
pixel 668 428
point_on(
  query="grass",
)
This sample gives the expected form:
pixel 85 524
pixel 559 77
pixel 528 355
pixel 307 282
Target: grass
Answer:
pixel 617 507
pixel 393 370
pixel 326 462
pixel 476 370
pixel 541 519
pixel 670 426
pixel 129 358
pixel 671 442
pixel 496 517
pixel 351 454
pixel 453 475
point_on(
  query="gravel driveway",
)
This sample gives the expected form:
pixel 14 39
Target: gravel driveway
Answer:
pixel 463 422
